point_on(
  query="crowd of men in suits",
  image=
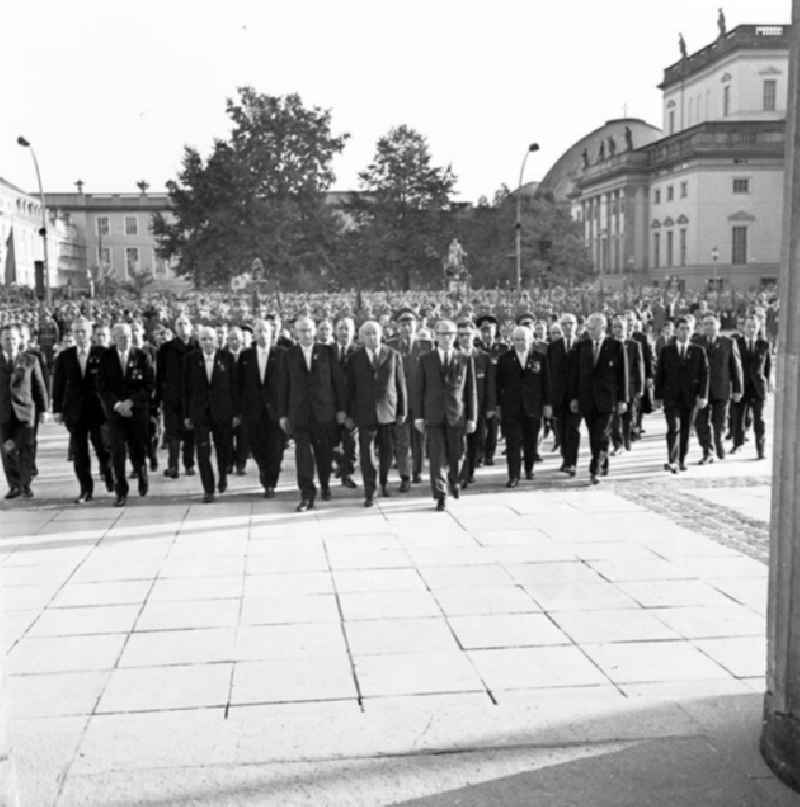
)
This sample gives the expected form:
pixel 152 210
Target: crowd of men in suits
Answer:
pixel 443 395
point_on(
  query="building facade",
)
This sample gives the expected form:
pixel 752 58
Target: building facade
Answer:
pixel 113 234
pixel 21 246
pixel 704 202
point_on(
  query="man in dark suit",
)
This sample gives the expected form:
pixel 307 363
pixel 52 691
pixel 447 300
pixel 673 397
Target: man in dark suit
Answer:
pixel 485 375
pixel 153 436
pixel 523 397
pixel 756 369
pixel 490 344
pixel 23 401
pixel 446 409
pixel 682 385
pixel 644 401
pixel 171 360
pixel 258 375
pixel 343 347
pixel 622 425
pixel 406 438
pixel 724 384
pixel 76 404
pixel 210 403
pixel 599 382
pixel 567 423
pixel 125 383
pixel 311 402
pixel 237 450
pixel 376 402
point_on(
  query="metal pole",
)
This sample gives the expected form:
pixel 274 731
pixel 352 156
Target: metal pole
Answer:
pixel 47 296
pixel 518 225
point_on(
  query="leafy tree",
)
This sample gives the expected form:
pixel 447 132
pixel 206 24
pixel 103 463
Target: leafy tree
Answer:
pixel 259 194
pixel 401 214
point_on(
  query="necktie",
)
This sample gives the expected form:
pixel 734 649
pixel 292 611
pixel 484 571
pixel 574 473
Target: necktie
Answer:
pixel 209 367
pixel 751 346
pixel 262 364
pixel 596 351
pixel 82 362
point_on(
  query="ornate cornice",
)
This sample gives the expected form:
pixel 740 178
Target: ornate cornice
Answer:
pixel 741 215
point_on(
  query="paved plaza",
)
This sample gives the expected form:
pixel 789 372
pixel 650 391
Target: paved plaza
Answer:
pixel 559 644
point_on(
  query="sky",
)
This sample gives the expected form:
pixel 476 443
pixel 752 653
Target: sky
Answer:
pixel 111 92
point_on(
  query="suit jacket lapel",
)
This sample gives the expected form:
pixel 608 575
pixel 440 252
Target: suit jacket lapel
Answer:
pixel 383 354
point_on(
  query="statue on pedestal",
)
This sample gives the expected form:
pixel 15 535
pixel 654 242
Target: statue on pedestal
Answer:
pixel 612 147
pixel 585 157
pixel 628 138
pixel 601 155
pixel 723 28
pixel 682 46
pixel 455 259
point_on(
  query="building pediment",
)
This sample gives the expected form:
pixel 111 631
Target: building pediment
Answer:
pixel 683 219
pixel 726 77
pixel 770 71
pixel 670 105
pixel 741 215
pixel 669 222
pixel 655 224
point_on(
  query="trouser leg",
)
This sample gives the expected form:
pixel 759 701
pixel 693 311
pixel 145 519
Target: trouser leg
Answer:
pixel 80 458
pixel 203 443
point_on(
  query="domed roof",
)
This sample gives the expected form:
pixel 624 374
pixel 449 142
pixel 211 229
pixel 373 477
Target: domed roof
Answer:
pixel 560 179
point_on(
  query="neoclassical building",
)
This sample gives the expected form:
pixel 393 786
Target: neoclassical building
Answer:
pixel 704 200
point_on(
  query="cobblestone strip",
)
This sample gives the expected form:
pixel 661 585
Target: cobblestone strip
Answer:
pixel 723 524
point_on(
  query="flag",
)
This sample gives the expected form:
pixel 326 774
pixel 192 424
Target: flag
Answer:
pixel 11 259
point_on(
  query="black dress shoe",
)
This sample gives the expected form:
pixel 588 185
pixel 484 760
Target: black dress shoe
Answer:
pixel 208 498
pixel 456 492
pixel 326 494
pixel 222 485
pixel 269 492
pixel 593 479
pixel 721 454
pixel 440 504
pixel 571 471
pixel 120 501
pixel 143 484
pixel 305 504
pixel 405 485
pixel 385 491
pixel 108 478
pixel 171 473
pixel 512 483
pixel 529 475
pixel 190 471
pixel 240 470
pixel 760 455
pixel 416 479
pixel 682 466
pixel 13 492
pixel 734 449
pixel 564 467
pixel 83 498
pixel 464 484
pixel 347 482
pixel 369 502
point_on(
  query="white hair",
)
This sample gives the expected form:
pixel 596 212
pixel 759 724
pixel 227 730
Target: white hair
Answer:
pixel 370 324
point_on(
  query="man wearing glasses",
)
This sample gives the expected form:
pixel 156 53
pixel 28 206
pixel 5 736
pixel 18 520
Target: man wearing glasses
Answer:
pixel 446 409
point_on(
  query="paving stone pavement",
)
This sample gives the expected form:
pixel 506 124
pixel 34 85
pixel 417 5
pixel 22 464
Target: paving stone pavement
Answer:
pixel 240 653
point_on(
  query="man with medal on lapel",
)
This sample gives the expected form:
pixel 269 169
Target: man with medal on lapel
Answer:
pixel 446 409
pixel 125 383
pixel 311 403
pixel 211 400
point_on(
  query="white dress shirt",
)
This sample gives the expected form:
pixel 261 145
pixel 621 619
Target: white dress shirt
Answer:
pixel 83 355
pixel 522 358
pixel 262 355
pixel 123 360
pixel 209 358
pixel 307 352
pixel 445 357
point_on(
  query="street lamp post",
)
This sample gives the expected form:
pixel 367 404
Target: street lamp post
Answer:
pixel 43 232
pixel 518 226
pixel 715 258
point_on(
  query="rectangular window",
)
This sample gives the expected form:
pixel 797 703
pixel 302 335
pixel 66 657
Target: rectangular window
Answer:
pixel 657 198
pixel 672 121
pixel 739 245
pixel 741 185
pixel 682 245
pixel 726 101
pixel 102 225
pixel 132 260
pixel 161 266
pixel 656 250
pixel 670 192
pixel 684 190
pixel 670 247
pixel 131 225
pixel 770 87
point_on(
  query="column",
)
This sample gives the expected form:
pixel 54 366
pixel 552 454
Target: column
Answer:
pixel 780 739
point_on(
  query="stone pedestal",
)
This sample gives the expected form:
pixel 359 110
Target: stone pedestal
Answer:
pixel 780 740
